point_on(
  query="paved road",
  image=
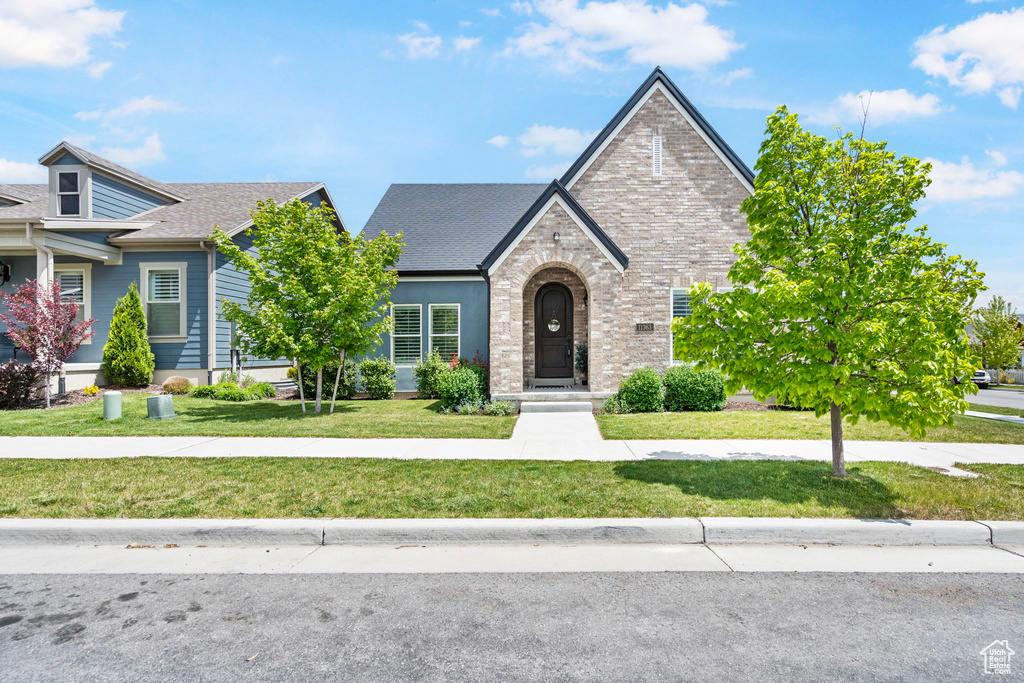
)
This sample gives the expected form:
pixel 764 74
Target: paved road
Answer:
pixel 999 397
pixel 507 627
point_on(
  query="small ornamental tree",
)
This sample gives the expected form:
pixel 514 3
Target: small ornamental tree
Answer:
pixel 317 296
pixel 838 306
pixel 996 334
pixel 128 360
pixel 42 324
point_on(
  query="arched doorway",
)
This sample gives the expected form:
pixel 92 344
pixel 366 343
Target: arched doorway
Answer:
pixel 553 325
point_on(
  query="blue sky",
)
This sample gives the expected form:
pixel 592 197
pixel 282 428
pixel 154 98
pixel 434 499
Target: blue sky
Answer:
pixel 360 95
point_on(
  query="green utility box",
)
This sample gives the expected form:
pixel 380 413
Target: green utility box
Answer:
pixel 112 405
pixel 160 407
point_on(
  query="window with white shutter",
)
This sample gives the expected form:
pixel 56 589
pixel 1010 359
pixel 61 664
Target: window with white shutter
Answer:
pixel 680 309
pixel 656 154
pixel 444 330
pixel 163 295
pixel 407 337
pixel 74 282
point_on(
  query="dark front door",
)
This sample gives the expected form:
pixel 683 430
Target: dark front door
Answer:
pixel 553 320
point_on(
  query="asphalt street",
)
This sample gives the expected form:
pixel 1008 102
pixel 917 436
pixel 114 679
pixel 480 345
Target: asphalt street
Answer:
pixel 999 397
pixel 507 627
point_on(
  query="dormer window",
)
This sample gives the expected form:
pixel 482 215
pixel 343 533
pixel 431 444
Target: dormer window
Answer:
pixel 69 194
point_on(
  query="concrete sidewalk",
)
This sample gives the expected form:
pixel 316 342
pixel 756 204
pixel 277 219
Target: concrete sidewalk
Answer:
pixel 542 445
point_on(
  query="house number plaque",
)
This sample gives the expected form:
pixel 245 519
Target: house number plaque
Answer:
pixel 645 327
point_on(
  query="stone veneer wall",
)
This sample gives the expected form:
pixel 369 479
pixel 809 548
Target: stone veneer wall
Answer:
pixel 580 314
pixel 538 251
pixel 677 229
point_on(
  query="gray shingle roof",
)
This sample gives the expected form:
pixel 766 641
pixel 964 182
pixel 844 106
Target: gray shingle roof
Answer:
pixel 450 227
pixel 90 159
pixel 208 204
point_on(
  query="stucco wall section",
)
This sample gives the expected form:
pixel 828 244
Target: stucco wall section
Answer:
pixel 677 229
pixel 538 251
pixel 580 314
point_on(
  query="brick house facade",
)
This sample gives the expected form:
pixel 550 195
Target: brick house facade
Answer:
pixel 651 207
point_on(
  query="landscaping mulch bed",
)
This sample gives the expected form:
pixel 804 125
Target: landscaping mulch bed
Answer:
pixel 74 398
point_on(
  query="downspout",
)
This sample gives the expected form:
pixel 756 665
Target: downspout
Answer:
pixel 211 309
pixel 487 281
pixel 40 248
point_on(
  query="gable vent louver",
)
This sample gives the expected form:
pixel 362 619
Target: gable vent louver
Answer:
pixel 656 154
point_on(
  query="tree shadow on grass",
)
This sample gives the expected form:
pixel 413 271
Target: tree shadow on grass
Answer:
pixel 769 481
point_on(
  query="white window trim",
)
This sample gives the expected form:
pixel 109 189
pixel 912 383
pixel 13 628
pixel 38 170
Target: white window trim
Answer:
pixel 84 190
pixel 419 307
pixel 671 337
pixel 458 330
pixel 86 269
pixel 182 268
pixel 80 193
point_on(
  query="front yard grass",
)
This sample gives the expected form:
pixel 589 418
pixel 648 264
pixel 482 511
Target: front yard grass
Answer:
pixel 311 487
pixel 783 424
pixel 207 417
pixel 997 410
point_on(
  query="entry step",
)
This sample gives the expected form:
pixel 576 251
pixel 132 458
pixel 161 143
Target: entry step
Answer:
pixel 556 407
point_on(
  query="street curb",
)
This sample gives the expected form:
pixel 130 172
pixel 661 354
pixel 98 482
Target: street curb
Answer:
pixel 568 531
pixel 474 531
pixel 772 530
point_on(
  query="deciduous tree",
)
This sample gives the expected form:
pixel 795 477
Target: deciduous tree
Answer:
pixel 839 306
pixel 996 334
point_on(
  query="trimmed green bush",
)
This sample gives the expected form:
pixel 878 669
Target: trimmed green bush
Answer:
pixel 613 405
pixel 227 391
pixel 378 377
pixel 426 372
pixel 500 408
pixel 127 359
pixel 641 391
pixel 347 385
pixel 457 386
pixel 698 390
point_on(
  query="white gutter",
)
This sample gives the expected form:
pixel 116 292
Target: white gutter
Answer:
pixel 211 309
pixel 44 276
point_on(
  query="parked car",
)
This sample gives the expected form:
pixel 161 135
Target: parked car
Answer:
pixel 982 379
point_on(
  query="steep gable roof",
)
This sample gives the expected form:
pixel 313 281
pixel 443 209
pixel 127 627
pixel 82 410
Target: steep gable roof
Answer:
pixel 95 161
pixel 556 192
pixel 658 80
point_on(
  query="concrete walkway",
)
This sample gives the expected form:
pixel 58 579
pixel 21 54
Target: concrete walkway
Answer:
pixel 993 416
pixel 540 443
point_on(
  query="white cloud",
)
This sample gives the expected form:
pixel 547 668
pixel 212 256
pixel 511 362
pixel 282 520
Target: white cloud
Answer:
pixel 521 7
pixel 151 150
pixel 499 140
pixel 464 43
pixel 20 172
pixel 547 172
pixel 465 24
pixel 885 106
pixel 491 11
pixel 97 69
pixel 52 32
pixel 953 181
pixel 137 105
pixel 579 36
pixel 978 56
pixel 734 75
pixel 561 141
pixel 421 43
pixel 997 157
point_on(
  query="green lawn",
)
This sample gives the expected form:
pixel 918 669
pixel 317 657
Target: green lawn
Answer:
pixel 771 424
pixel 293 487
pixel 206 417
pixel 997 410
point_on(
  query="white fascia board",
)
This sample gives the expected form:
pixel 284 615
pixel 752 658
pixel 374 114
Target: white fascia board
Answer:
pixel 95 224
pixel 319 186
pixel 659 87
pixel 440 278
pixel 556 199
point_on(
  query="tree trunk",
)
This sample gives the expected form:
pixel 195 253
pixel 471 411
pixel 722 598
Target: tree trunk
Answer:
pixel 838 459
pixel 337 379
pixel 302 398
pixel 319 388
pixel 48 390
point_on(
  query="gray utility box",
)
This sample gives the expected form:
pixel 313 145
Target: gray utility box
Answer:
pixel 161 407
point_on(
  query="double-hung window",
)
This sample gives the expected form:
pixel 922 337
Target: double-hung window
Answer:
pixel 407 337
pixel 444 329
pixel 74 281
pixel 69 193
pixel 680 309
pixel 163 295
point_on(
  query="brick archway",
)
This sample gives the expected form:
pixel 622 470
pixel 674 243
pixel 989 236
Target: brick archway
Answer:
pixel 581 313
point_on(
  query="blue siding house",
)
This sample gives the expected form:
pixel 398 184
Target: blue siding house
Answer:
pixel 96 227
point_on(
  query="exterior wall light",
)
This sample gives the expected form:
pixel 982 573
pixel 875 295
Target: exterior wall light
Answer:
pixel 557 236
